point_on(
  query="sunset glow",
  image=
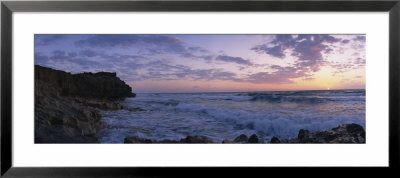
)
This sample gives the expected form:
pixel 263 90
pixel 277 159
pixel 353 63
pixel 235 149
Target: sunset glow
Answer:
pixel 212 63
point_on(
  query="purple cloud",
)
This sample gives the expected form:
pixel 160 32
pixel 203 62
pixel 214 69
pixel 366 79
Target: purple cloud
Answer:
pixel 88 53
pixel 45 40
pixel 237 60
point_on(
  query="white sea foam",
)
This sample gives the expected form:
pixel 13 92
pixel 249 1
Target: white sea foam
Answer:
pixel 227 115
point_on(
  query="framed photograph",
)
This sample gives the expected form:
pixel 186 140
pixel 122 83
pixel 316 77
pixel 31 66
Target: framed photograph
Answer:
pixel 103 88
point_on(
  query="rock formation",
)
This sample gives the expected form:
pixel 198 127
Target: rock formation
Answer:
pixel 67 105
pixel 344 133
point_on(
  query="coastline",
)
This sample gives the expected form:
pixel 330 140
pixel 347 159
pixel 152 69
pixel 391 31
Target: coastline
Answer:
pixel 344 133
pixel 68 110
pixel 67 106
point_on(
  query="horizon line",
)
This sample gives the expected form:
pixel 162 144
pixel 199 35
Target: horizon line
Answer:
pixel 243 91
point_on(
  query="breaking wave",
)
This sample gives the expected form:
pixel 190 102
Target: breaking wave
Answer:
pixel 227 115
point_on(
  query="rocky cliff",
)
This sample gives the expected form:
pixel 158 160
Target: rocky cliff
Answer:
pixel 67 105
pixel 101 85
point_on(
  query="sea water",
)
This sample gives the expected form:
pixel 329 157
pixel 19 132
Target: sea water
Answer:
pixel 227 115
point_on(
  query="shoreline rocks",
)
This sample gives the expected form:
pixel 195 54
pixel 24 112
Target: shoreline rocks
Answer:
pixel 67 105
pixel 344 133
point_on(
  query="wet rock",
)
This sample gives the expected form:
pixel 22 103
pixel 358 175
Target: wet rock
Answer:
pixel 66 105
pixel 305 136
pixel 196 139
pixel 166 141
pixel 253 139
pixel 227 141
pixel 241 139
pixel 275 140
pixel 344 133
pixel 136 139
pixel 134 109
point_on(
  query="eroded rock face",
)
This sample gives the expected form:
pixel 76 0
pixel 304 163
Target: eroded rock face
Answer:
pixel 100 86
pixel 67 106
pixel 344 133
pixel 60 120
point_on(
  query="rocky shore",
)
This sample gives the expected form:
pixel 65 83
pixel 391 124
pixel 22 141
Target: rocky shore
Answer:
pixel 67 110
pixel 344 133
pixel 67 105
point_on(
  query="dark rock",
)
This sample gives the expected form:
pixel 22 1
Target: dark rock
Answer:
pixel 196 139
pixel 275 140
pixel 166 141
pixel 227 141
pixel 136 139
pixel 66 105
pixel 59 120
pixel 241 139
pixel 102 85
pixel 253 139
pixel 134 109
pixel 304 136
pixel 344 133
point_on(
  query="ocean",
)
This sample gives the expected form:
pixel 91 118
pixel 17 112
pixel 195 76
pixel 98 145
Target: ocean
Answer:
pixel 226 115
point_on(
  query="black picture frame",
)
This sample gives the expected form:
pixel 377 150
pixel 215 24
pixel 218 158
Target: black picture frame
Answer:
pixel 8 7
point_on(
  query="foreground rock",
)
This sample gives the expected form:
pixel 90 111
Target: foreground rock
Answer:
pixel 67 106
pixel 194 139
pixel 188 139
pixel 344 133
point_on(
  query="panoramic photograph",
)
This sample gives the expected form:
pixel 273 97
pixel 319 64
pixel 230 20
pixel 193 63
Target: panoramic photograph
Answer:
pixel 200 88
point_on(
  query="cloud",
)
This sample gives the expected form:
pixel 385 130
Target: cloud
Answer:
pixel 39 56
pixel 359 42
pixel 45 40
pixel 141 57
pixel 159 70
pixel 237 60
pixel 308 49
pixel 345 41
pixel 280 75
pixel 359 38
pixel 88 53
pixel 276 51
pixel 146 45
pixel 62 55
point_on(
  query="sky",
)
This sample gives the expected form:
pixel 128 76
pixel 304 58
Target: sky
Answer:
pixel 212 63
